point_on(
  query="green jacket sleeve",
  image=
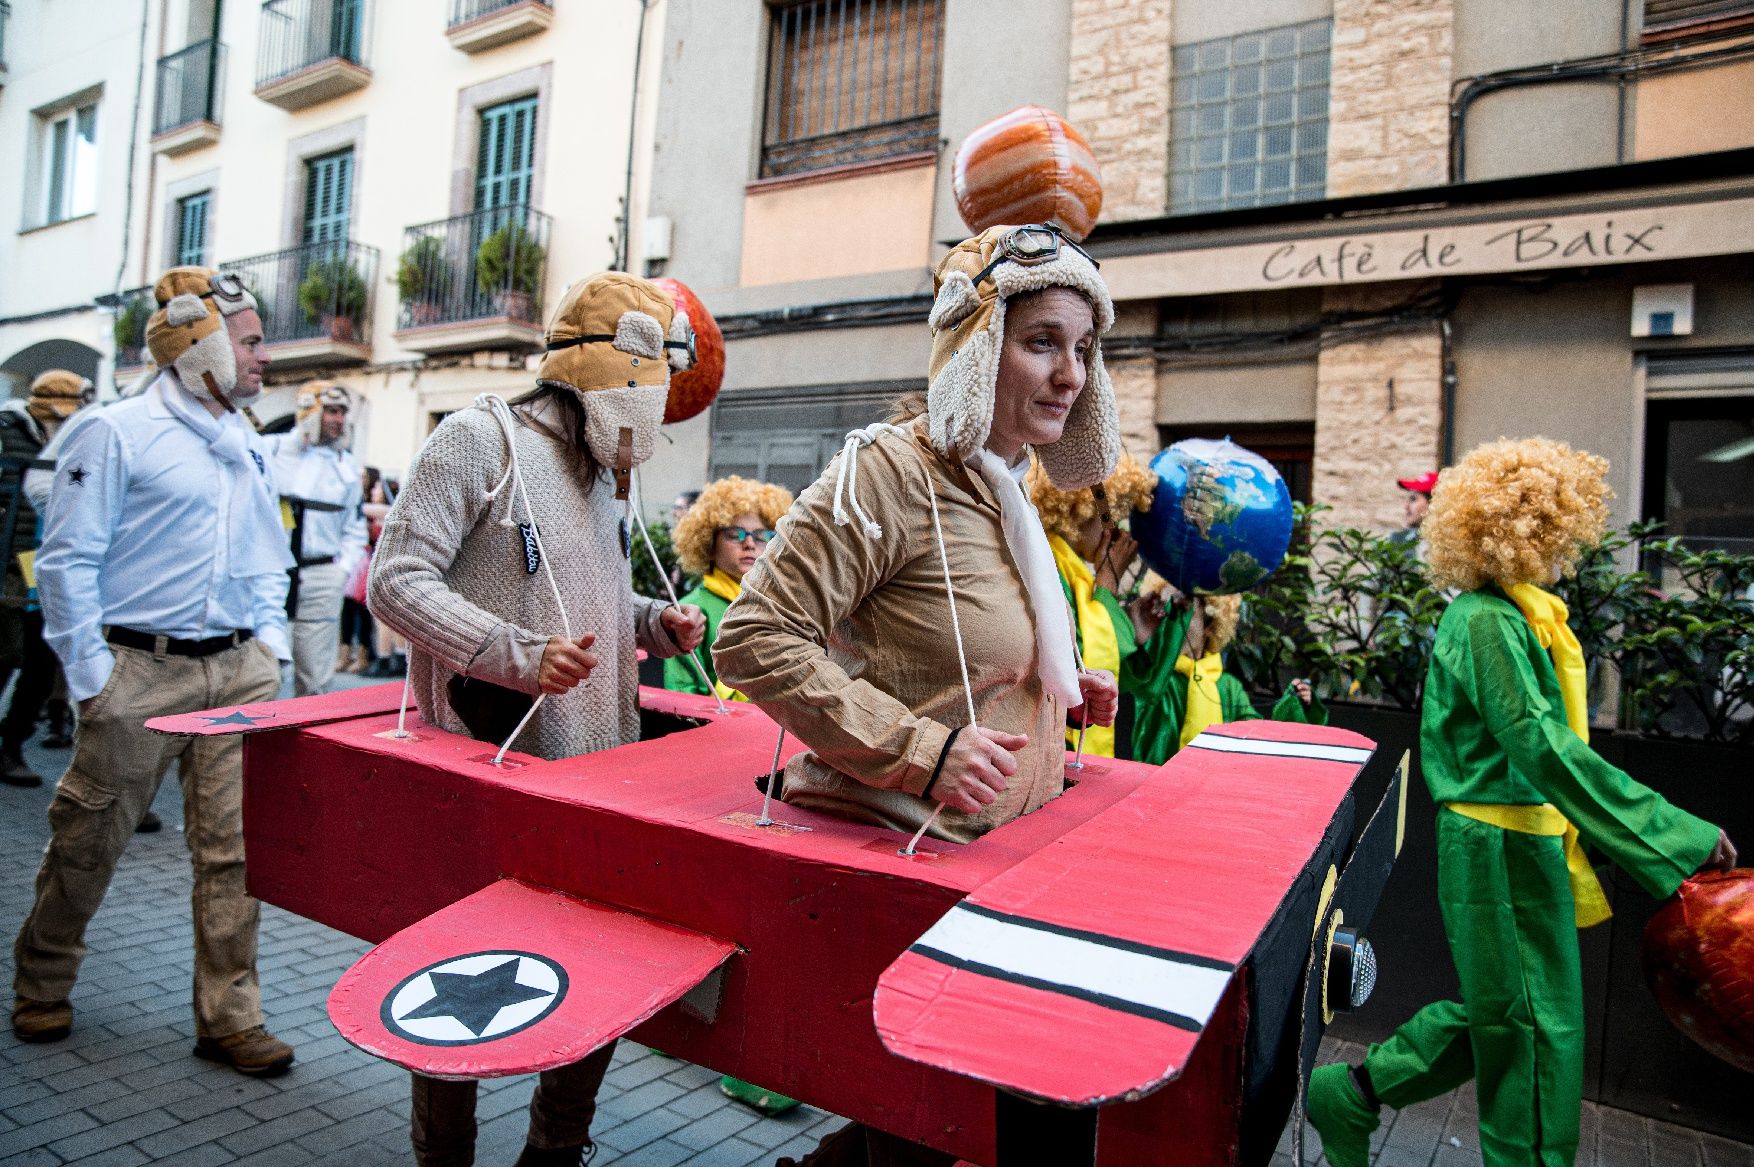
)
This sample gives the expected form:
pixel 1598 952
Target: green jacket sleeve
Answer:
pixel 1658 844
pixel 1159 692
pixel 1290 708
pixel 679 675
pixel 1233 699
pixel 1125 637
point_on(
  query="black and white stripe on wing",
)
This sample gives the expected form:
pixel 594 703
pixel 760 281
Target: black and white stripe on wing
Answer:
pixel 1313 751
pixel 1176 988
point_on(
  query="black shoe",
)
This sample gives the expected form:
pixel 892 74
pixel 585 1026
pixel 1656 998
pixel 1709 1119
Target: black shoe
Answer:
pixel 14 770
pixel 557 1157
pixel 150 824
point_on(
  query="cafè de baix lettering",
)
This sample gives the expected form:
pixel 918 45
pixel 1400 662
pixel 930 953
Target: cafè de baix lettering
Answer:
pixel 1627 235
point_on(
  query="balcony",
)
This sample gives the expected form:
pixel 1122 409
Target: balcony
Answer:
pixel 316 302
pixel 479 25
pixel 133 308
pixel 5 19
pixel 311 51
pixel 186 115
pixel 474 282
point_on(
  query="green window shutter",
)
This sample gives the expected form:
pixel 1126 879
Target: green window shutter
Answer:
pixel 192 229
pixel 328 197
pixel 506 155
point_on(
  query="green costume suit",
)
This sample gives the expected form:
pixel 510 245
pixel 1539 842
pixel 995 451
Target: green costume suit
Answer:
pixel 1160 695
pixel 1494 731
pixel 679 675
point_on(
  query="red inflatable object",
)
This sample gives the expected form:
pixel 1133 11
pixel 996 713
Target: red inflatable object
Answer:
pixel 694 390
pixel 1028 166
pixel 1699 962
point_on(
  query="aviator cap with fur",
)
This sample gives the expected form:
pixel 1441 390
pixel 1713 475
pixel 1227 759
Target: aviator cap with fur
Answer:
pixel 57 395
pixel 968 334
pixel 186 333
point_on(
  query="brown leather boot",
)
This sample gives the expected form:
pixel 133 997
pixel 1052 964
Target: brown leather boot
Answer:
pixel 254 1051
pixel 41 1020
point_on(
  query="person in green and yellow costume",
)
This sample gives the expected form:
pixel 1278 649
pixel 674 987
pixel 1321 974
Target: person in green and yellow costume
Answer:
pixel 1177 678
pixel 1504 746
pixel 1081 534
pixel 719 539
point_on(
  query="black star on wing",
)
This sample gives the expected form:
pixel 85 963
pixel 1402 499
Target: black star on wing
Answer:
pixel 237 718
pixel 77 475
pixel 475 1000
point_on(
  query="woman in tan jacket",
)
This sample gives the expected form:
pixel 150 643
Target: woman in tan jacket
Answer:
pixel 907 624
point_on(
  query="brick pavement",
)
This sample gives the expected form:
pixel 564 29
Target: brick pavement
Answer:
pixel 124 1090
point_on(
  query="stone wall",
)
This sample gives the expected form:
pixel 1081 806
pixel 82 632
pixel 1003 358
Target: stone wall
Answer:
pixel 1379 412
pixel 1388 102
pixel 1118 97
pixel 1135 382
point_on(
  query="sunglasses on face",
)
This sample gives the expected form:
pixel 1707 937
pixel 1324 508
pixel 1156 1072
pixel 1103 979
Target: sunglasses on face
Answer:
pixel 1036 243
pixel 742 535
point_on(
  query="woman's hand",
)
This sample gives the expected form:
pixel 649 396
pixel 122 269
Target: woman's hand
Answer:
pixel 1102 698
pixel 1146 612
pixel 565 663
pixel 686 625
pixel 1723 856
pixel 1113 557
pixel 1305 694
pixel 977 769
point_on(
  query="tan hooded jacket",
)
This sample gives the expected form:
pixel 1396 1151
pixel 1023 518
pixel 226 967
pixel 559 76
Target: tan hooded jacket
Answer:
pixel 846 640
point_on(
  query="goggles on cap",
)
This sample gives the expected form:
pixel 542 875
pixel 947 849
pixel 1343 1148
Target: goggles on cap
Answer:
pixel 224 286
pixel 1036 243
pixel 688 345
pixel 334 395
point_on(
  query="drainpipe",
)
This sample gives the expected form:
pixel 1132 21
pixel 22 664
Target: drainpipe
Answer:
pixel 626 225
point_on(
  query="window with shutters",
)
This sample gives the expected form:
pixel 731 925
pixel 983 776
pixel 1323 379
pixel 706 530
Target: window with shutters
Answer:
pixel 851 81
pixel 328 198
pixel 1663 18
pixel 192 229
pixel 505 156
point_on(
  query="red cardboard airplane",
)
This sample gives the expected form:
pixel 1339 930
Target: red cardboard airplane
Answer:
pixel 1114 979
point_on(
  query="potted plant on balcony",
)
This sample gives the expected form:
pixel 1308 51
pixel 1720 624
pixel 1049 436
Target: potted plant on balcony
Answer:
pixel 130 330
pixel 332 295
pixel 423 280
pixel 509 264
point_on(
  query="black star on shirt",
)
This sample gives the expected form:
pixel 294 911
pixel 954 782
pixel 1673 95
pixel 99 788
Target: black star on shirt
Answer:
pixel 475 1000
pixel 77 476
pixel 238 718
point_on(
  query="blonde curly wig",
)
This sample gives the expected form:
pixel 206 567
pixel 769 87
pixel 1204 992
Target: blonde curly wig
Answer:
pixel 1515 512
pixel 1129 489
pixel 718 504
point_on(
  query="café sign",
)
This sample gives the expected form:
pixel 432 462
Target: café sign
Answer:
pixel 1340 258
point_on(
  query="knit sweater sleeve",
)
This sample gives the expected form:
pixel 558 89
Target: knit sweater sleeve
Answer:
pixel 443 499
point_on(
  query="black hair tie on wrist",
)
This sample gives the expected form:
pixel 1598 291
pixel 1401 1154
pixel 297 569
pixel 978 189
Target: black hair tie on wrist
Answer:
pixel 939 768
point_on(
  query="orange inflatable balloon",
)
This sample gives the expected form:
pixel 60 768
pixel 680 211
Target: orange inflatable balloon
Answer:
pixel 694 389
pixel 1028 166
pixel 1698 958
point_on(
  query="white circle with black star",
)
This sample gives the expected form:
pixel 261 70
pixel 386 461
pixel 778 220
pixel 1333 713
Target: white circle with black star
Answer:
pixel 480 997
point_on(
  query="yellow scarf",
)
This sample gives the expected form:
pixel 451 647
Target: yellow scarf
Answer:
pixel 1204 705
pixel 1546 614
pixel 727 589
pixel 1097 641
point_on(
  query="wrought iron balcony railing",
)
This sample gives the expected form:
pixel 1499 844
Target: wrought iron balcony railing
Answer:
pixel 188 87
pixel 463 11
pixel 321 291
pixel 297 34
pixel 480 266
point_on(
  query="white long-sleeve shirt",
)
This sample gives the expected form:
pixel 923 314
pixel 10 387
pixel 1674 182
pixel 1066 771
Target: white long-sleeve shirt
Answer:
pixel 323 474
pixel 150 529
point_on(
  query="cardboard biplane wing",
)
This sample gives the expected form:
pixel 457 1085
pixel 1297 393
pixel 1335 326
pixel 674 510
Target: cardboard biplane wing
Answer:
pixel 292 713
pixel 514 979
pixel 1086 973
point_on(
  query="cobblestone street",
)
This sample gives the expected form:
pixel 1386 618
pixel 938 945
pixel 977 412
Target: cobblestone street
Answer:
pixel 124 1090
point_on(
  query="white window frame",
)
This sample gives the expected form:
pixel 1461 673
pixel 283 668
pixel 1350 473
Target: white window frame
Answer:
pixel 68 190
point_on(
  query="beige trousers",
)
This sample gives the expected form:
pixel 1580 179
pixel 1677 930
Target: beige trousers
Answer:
pixel 316 628
pixel 115 772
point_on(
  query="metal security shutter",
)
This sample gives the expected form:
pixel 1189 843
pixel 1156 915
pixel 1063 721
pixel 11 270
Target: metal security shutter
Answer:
pixel 787 436
pixel 328 197
pixel 1664 14
pixel 192 229
pixel 506 155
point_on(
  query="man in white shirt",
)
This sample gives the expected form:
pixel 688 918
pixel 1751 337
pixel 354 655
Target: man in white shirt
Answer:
pixel 319 478
pixel 163 576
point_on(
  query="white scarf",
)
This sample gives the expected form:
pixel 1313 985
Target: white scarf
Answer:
pixel 258 539
pixel 1028 544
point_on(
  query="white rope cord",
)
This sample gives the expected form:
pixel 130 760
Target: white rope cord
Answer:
pixel 961 656
pixel 692 656
pixel 402 713
pixel 848 477
pixel 773 778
